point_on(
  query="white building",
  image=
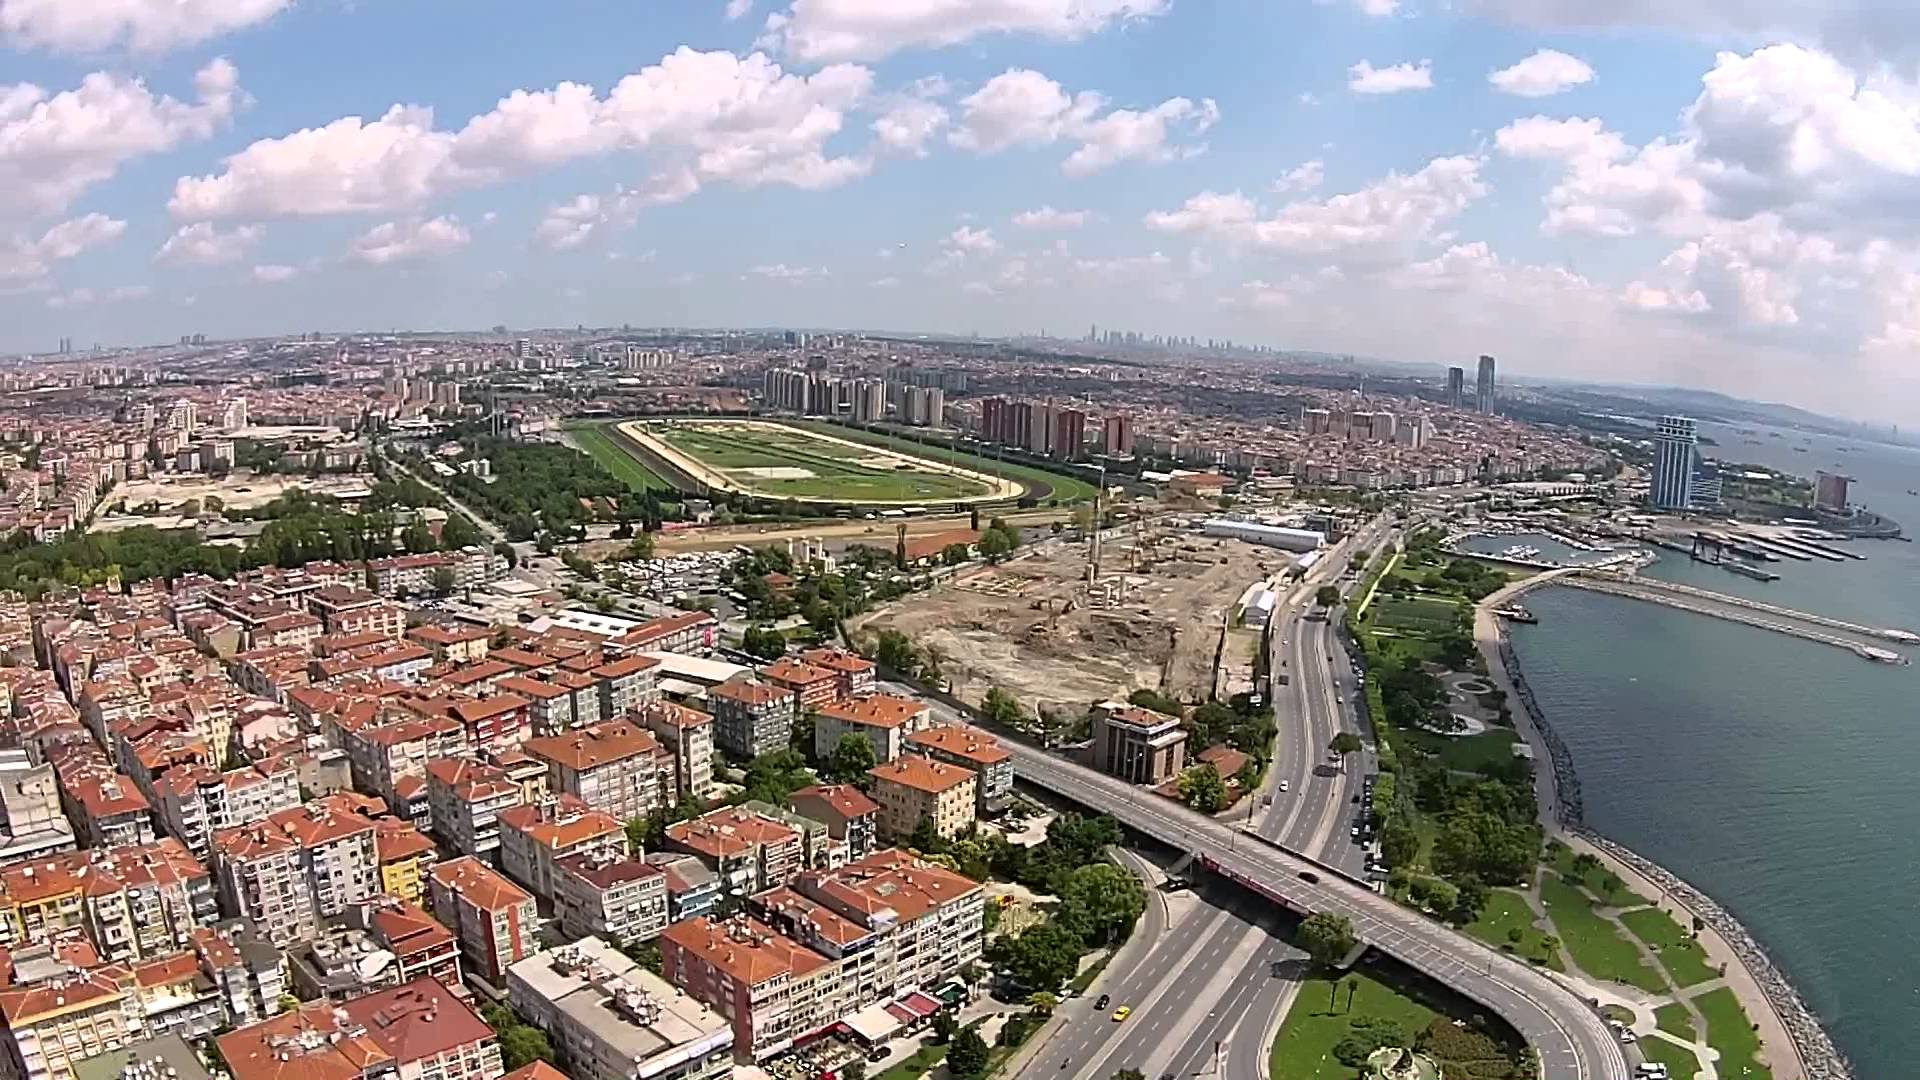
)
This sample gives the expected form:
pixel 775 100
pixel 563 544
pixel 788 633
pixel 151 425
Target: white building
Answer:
pixel 611 1019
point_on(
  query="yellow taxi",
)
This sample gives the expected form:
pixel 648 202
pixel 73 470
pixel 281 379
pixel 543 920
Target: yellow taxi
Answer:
pixel 1122 1013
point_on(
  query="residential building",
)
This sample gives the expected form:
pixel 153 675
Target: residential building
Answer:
pixel 453 644
pixel 624 684
pixel 897 923
pixel 747 851
pixel 131 904
pixel 883 719
pixel 338 850
pixel 849 815
pixel 971 748
pixel 31 823
pixel 692 888
pixel 617 897
pixel 750 717
pixel 812 687
pixel 466 798
pixel 1456 387
pixel 533 837
pixel 912 789
pixel 615 767
pixel 854 672
pixel 1138 745
pixel 405 854
pixel 418 1030
pixel 771 989
pixel 687 737
pixel 52 1026
pixel 610 1019
pixel 263 880
pixel 493 918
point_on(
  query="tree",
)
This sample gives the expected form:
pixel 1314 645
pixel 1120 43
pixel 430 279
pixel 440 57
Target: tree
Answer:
pixel 953 554
pixel 895 650
pixel 506 551
pixel 1002 708
pixel 1100 903
pixel 995 545
pixel 418 538
pixel 764 642
pixel 852 756
pixel 443 581
pixel 1202 788
pixel 1045 956
pixel 854 1070
pixel 1399 843
pixel 945 1026
pixel 1346 743
pixel 926 838
pixel 641 548
pixel 967 1059
pixel 1042 1002
pixel 1326 596
pixel 1327 937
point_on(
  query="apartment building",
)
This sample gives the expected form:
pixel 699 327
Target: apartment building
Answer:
pixel 935 918
pixel 615 767
pixel 31 823
pixel 854 673
pixel 690 632
pixel 194 801
pixel 262 879
pixel 384 757
pixel 770 988
pixel 418 1030
pixel 550 708
pixel 130 904
pixel 849 815
pixel 974 749
pixel 687 737
pixel 912 789
pixel 343 609
pixel 465 799
pixel 884 720
pixel 533 837
pixel 453 644
pixel 611 1019
pixel 53 1025
pixel 338 850
pixel 405 854
pixel 617 897
pixel 750 717
pixel 747 851
pixel 493 918
pixel 812 686
pixel 625 684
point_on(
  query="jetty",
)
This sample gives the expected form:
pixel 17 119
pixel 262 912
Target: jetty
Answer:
pixel 1862 641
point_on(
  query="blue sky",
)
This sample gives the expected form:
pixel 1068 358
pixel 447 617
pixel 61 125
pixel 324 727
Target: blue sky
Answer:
pixel 1720 196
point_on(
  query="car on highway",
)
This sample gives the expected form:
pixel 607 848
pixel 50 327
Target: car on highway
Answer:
pixel 1309 877
pixel 1105 1000
pixel 1283 787
pixel 1122 1013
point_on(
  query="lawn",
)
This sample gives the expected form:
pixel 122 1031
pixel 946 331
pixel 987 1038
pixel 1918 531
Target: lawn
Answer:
pixel 1599 881
pixel 1730 1032
pixel 1679 1060
pixel 626 468
pixel 1679 953
pixel 1597 946
pixel 1421 614
pixel 1676 1020
pixel 1505 912
pixel 1467 753
pixel 1304 1048
pixel 919 1064
pixel 1046 484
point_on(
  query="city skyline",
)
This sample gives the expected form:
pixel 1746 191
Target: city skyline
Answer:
pixel 1588 194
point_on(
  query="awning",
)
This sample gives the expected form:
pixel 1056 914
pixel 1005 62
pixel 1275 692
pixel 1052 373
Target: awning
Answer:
pixel 901 1013
pixel 951 993
pixel 922 1004
pixel 874 1023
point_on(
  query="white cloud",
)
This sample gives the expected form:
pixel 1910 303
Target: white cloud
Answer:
pixel 273 273
pixel 80 297
pixel 1379 9
pixel 1863 29
pixel 1387 219
pixel 816 31
pixel 783 272
pixel 971 241
pixel 571 224
pixel 25 258
pixel 201 244
pixel 395 241
pixel 1543 74
pixel 1364 78
pixel 1021 107
pixel 1046 217
pixel 54 146
pixel 1303 177
pixel 738 9
pixel 906 127
pixel 700 116
pixel 87 26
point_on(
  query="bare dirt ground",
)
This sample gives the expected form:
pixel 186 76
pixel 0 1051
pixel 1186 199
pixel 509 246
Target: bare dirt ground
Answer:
pixel 1031 626
pixel 879 533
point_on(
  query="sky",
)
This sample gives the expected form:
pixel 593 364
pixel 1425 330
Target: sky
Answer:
pixel 1717 193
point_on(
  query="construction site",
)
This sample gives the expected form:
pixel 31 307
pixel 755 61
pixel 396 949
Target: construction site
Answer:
pixel 1068 623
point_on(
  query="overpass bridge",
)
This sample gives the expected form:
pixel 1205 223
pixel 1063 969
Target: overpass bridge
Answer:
pixel 1571 1038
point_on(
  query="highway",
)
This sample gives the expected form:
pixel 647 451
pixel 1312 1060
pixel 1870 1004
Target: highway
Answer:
pixel 1573 1042
pixel 1187 1019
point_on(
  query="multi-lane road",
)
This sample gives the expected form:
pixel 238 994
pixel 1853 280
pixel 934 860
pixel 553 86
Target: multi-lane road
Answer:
pixel 1206 995
pixel 1210 989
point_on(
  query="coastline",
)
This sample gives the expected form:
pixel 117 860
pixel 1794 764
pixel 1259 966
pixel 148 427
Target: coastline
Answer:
pixel 1793 1042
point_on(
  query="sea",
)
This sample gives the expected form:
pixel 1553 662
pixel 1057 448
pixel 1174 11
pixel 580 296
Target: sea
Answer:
pixel 1780 776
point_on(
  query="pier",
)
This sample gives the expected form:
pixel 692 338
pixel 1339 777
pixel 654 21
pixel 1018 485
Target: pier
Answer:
pixel 1860 640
